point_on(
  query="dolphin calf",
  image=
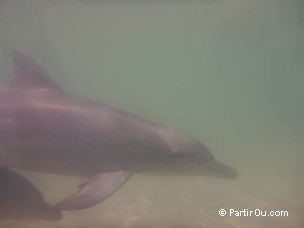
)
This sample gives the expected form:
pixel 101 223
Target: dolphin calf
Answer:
pixel 20 199
pixel 44 129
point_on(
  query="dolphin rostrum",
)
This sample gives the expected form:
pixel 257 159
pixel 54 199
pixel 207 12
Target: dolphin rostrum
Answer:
pixel 20 199
pixel 44 129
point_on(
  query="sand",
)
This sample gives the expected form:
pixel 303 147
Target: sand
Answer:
pixel 185 202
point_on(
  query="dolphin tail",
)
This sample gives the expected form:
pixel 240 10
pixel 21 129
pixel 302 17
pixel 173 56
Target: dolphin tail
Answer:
pixel 98 188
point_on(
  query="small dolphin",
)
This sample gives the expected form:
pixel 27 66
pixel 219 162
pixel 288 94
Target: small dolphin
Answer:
pixel 44 129
pixel 19 199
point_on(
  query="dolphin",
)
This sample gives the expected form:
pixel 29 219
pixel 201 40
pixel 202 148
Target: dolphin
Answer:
pixel 45 129
pixel 20 199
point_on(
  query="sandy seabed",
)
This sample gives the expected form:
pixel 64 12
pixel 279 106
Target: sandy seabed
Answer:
pixel 180 202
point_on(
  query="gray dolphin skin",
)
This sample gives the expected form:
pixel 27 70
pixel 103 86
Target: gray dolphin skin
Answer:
pixel 44 129
pixel 20 199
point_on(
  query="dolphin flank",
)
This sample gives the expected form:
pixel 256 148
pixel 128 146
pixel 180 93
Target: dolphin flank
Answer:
pixel 44 129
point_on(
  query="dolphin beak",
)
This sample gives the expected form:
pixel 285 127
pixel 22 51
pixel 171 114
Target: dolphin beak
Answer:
pixel 218 169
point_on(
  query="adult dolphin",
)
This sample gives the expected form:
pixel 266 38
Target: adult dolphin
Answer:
pixel 44 129
pixel 20 199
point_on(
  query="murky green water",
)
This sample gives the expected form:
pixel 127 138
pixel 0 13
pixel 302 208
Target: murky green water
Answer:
pixel 227 72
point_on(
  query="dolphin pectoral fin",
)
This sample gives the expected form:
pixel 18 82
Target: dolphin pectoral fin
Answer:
pixel 98 188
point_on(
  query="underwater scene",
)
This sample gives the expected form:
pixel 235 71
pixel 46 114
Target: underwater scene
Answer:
pixel 151 114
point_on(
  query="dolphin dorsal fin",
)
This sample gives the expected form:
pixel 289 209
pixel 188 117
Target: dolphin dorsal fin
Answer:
pixel 28 74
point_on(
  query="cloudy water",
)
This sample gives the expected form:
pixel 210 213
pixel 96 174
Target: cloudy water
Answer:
pixel 229 73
